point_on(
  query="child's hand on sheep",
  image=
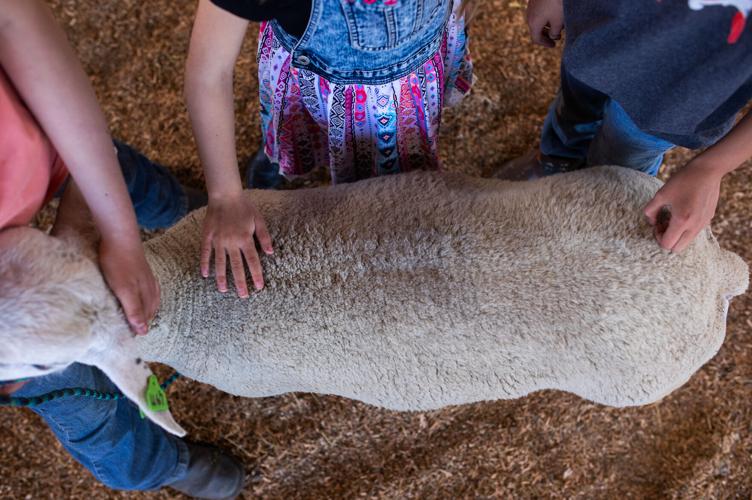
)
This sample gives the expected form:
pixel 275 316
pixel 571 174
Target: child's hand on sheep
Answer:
pixel 229 227
pixel 691 196
pixel 44 68
pixel 545 18
pixel 128 274
pixel 692 193
pixel 121 257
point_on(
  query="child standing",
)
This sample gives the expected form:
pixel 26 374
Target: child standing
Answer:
pixel 355 85
pixel 638 78
pixel 50 125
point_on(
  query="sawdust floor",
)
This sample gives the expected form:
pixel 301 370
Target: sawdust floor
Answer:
pixel 696 443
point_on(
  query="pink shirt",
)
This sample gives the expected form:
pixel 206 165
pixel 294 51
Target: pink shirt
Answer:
pixel 31 171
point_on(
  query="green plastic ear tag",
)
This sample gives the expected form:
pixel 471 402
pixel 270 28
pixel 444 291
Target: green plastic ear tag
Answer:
pixel 156 399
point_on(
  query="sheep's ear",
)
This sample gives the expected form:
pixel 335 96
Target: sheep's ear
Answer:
pixel 130 374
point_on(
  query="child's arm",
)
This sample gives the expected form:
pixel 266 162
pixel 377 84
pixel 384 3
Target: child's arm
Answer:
pixel 692 193
pixel 44 69
pixel 73 219
pixel 545 18
pixel 231 219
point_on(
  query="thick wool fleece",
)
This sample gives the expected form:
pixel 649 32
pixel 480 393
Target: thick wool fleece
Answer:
pixel 418 291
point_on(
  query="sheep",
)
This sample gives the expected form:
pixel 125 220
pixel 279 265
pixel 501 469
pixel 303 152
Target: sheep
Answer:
pixel 409 292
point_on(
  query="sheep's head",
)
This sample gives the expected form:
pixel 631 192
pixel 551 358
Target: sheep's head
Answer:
pixel 55 309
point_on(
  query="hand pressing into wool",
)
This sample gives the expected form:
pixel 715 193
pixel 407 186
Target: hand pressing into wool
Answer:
pixel 128 274
pixel 229 228
pixel 545 18
pixel 120 256
pixel 691 196
pixel 692 193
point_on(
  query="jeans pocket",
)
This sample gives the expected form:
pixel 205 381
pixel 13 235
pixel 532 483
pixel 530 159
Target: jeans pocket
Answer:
pixel 375 25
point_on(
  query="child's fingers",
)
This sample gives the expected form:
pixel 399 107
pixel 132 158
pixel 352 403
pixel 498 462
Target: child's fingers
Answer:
pixel 238 273
pixel 673 234
pixel 545 38
pixel 685 240
pixel 536 24
pixel 554 30
pixel 205 257
pixel 130 301
pixel 262 234
pixel 539 34
pixel 254 265
pixel 652 208
pixel 150 299
pixel 220 268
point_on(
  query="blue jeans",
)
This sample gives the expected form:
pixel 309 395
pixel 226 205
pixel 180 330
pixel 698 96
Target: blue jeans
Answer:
pixel 158 198
pixel 588 127
pixel 110 438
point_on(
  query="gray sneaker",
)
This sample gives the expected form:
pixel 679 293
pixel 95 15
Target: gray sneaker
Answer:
pixel 533 165
pixel 212 474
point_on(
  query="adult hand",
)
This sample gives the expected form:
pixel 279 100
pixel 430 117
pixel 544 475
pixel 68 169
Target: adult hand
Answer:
pixel 691 195
pixel 129 276
pixel 545 18
pixel 229 227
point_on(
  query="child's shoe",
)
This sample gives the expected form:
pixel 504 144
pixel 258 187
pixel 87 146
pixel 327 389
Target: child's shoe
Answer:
pixel 211 474
pixel 534 165
pixel 260 173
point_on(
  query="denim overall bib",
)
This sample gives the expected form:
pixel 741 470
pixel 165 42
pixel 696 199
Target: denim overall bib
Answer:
pixel 367 41
pixel 363 88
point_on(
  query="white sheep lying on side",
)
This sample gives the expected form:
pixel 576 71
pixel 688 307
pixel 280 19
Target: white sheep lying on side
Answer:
pixel 408 292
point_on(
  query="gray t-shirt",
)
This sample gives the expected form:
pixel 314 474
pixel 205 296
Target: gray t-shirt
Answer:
pixel 682 69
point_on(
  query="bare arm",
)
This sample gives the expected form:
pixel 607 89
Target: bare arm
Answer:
pixel 215 45
pixel 692 193
pixel 731 151
pixel 73 218
pixel 44 69
pixel 231 219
